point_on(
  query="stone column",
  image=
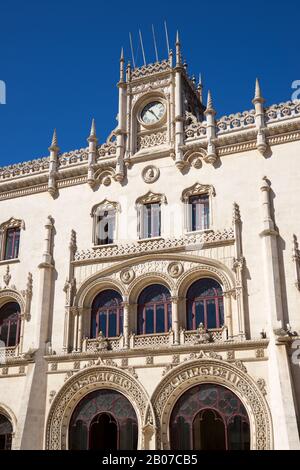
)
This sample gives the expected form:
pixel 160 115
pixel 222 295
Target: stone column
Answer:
pixel 228 312
pixel 74 310
pixel 32 418
pixel 126 322
pixel 281 398
pixel 179 119
pixel 175 320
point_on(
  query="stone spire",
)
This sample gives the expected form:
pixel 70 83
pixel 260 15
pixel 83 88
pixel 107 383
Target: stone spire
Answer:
pixel 122 61
pixel 200 88
pixel 92 141
pixel 258 102
pixel 53 161
pixel 210 113
pixel 178 49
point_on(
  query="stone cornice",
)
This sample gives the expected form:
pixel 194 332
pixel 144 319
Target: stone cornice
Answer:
pixel 236 133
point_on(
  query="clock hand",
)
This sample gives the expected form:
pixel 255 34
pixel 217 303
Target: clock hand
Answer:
pixel 153 113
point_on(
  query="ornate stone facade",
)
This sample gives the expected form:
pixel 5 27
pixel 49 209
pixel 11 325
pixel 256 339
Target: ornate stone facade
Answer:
pixel 250 253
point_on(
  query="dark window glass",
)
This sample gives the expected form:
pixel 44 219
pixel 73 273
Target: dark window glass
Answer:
pixel 199 212
pixel 209 417
pixel 10 324
pixel 5 433
pixel 205 304
pixel 154 310
pixel 103 420
pixel 107 314
pixel 12 242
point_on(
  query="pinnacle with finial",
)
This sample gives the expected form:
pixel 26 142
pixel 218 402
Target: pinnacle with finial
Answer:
pixel 122 55
pixel 200 84
pixel 54 147
pixel 92 137
pixel 258 96
pixel 177 38
pixel 209 100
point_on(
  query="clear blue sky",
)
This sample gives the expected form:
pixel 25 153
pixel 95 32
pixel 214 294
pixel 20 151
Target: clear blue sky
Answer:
pixel 59 60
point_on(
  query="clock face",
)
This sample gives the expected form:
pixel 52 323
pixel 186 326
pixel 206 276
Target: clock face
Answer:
pixel 153 112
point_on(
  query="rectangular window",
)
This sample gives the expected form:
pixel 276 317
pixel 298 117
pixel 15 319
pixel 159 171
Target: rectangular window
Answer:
pixel 199 212
pixel 12 242
pixel 151 220
pixel 105 228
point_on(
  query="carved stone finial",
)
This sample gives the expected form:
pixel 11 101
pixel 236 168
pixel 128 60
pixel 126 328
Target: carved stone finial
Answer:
pixel 209 101
pixel 54 147
pixel 236 216
pixel 92 137
pixel 258 96
pixel 73 245
pixel 7 277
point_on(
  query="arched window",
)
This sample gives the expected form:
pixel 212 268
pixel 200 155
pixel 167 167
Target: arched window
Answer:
pixel 205 304
pixel 209 417
pixel 107 314
pixel 103 420
pixel 10 320
pixel 10 238
pixel 6 431
pixel 154 310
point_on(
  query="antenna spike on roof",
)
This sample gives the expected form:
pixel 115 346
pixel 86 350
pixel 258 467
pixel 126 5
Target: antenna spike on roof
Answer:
pixel 131 47
pixel 167 37
pixel 142 46
pixel 155 46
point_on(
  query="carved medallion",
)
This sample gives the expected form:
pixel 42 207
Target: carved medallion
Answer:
pixel 150 174
pixel 175 269
pixel 127 275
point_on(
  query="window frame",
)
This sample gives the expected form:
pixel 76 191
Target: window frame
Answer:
pixel 97 210
pixel 141 203
pixel 191 306
pixel 16 226
pixel 197 190
pixel 142 313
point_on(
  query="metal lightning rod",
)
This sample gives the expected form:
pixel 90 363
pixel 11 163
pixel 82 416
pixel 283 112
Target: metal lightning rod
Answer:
pixel 131 47
pixel 142 46
pixel 155 46
pixel 167 37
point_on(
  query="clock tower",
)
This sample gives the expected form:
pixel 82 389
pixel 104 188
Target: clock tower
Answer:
pixel 155 101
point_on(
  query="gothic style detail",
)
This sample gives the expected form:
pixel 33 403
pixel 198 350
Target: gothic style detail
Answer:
pixel 10 238
pixel 197 189
pixel 175 269
pixel 150 198
pixel 296 260
pixel 127 275
pixel 105 222
pixel 150 174
pixel 197 371
pixel 79 385
pixel 200 239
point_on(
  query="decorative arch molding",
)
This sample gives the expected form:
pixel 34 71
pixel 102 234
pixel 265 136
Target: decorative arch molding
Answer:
pixel 92 286
pixel 219 274
pixel 12 295
pixel 151 197
pixel 206 370
pixel 195 157
pixel 205 267
pixel 12 223
pixel 146 280
pixel 81 384
pixel 9 414
pixel 105 205
pixel 197 189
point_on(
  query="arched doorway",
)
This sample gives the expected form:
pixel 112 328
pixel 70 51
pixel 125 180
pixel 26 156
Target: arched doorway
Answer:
pixel 209 417
pixel 104 419
pixel 6 431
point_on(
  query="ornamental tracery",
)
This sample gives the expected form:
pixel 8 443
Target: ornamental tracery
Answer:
pixel 205 370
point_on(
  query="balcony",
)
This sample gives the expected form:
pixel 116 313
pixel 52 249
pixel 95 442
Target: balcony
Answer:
pixel 158 340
